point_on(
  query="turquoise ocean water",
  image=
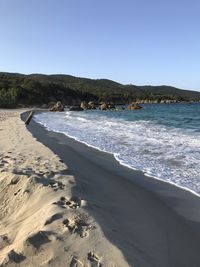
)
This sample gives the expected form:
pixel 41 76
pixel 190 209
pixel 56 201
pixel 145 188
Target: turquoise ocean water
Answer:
pixel 161 140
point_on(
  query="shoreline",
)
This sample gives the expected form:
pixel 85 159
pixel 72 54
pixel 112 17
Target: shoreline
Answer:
pixel 179 207
pixel 124 164
pixel 190 191
pixel 142 169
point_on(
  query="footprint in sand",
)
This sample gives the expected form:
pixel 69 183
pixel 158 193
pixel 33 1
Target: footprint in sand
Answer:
pixel 53 218
pixel 71 182
pixel 39 239
pixel 4 163
pixel 16 257
pixel 94 260
pixel 4 241
pixel 17 192
pixel 78 226
pixel 15 180
pixel 75 262
pixel 7 160
pixel 56 185
pixel 73 203
pixel 47 174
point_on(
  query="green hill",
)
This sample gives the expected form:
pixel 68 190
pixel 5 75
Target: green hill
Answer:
pixel 36 89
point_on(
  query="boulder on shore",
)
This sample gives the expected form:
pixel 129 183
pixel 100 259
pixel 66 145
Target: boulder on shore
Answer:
pixel 76 108
pixel 57 107
pixel 91 105
pixel 134 106
pixel 103 106
pixel 84 105
pixel 88 105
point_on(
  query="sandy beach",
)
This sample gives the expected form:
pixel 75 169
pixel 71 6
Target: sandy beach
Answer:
pixel 42 222
pixel 65 204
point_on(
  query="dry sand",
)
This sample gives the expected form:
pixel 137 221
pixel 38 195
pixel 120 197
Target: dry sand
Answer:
pixel 41 222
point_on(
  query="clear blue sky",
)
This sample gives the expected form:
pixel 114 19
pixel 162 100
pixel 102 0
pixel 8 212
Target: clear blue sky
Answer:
pixel 130 41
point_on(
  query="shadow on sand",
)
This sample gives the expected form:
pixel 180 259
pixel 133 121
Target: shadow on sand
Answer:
pixel 153 223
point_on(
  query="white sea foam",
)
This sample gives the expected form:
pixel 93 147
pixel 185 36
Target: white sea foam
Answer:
pixel 169 154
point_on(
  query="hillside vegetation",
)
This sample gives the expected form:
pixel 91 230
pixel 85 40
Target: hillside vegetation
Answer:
pixel 37 89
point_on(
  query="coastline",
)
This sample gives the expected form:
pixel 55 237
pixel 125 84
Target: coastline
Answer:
pixel 124 164
pixel 161 209
pixel 149 183
pixel 158 148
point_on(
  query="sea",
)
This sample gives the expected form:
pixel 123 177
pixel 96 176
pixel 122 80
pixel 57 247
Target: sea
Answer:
pixel 162 140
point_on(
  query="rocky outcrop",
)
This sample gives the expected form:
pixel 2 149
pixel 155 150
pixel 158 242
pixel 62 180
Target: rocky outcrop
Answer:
pixel 91 105
pixel 84 105
pixel 57 107
pixel 134 106
pixel 168 101
pixel 103 106
pixel 88 105
pixel 76 108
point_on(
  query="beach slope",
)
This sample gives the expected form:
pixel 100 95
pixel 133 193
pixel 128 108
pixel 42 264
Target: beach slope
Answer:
pixel 42 222
pixel 151 222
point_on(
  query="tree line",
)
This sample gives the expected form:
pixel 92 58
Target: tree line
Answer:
pixel 17 90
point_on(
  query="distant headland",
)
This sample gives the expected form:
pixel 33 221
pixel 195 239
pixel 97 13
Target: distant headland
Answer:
pixel 20 90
